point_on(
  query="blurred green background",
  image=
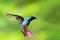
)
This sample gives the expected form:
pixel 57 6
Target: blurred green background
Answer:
pixel 46 27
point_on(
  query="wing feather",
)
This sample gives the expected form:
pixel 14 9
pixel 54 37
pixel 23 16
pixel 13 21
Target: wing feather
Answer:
pixel 19 18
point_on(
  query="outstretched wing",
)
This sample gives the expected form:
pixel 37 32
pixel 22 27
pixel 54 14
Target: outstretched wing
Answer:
pixel 19 18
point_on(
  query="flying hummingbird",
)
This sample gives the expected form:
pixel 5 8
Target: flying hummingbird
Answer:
pixel 24 23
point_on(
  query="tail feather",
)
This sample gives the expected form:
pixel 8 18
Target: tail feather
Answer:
pixel 29 34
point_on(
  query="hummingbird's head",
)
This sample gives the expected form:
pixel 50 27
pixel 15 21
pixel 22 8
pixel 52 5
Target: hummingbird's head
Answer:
pixel 34 17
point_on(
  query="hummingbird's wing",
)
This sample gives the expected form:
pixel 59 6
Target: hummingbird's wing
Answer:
pixel 19 18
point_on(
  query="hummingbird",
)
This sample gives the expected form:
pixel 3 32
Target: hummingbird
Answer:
pixel 24 22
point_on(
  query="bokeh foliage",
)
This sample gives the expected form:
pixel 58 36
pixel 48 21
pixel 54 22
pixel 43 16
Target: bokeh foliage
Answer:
pixel 46 27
